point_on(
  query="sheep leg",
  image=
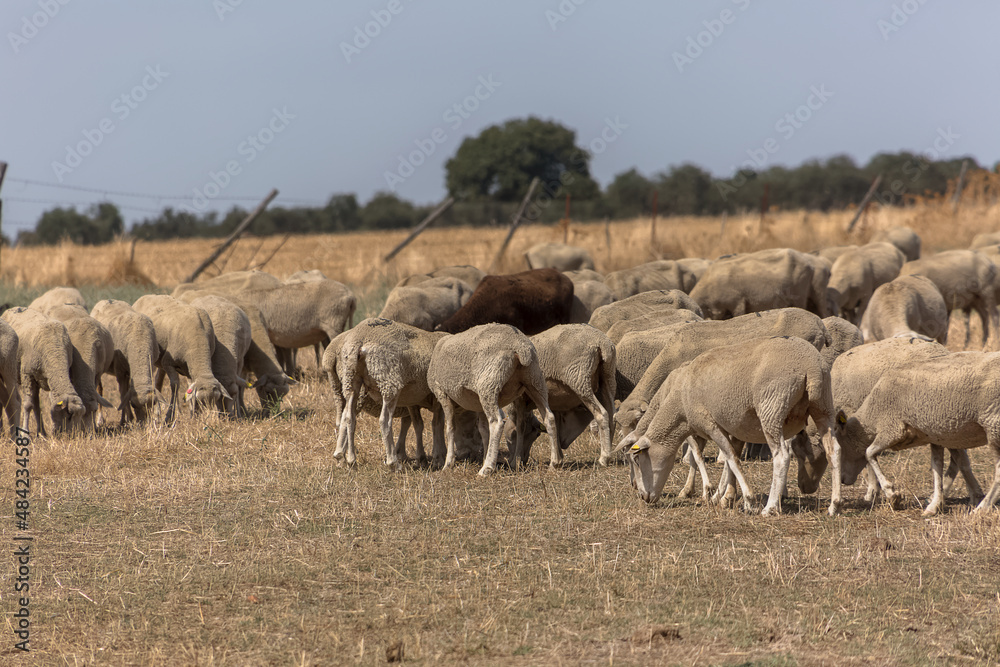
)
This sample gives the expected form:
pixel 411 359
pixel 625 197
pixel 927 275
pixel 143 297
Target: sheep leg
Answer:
pixel 11 405
pixel 688 487
pixel 518 455
pixel 697 453
pixel 542 403
pixel 495 419
pixel 722 442
pixel 603 419
pixel 438 447
pixel 833 453
pixel 937 466
pixel 871 484
pixel 36 407
pixel 781 456
pixel 726 491
pixel 385 424
pixel 122 376
pixel 417 422
pixel 345 435
pixel 960 462
pixel 449 431
pixel 991 496
pixel 882 442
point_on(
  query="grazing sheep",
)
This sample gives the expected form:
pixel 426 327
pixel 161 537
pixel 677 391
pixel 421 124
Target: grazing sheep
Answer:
pixel 427 304
pixel 903 238
pixel 588 296
pixel 187 341
pixel 653 320
pixel 859 272
pixel 45 354
pixel 469 275
pixel 271 383
pixel 636 351
pixel 662 274
pixel 58 296
pixel 532 301
pixel 687 341
pixel 966 280
pixel 909 306
pixel 10 385
pixel 949 401
pixel 482 370
pixel 305 276
pixel 761 389
pixel 231 327
pixel 644 303
pixel 558 256
pixel 694 268
pixel 782 278
pixel 229 283
pixel 135 355
pixel 390 361
pixel 855 374
pixel 578 363
pixel 331 366
pixel 583 275
pixel 831 253
pixel 93 353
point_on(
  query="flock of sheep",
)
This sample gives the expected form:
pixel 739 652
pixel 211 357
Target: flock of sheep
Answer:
pixel 763 347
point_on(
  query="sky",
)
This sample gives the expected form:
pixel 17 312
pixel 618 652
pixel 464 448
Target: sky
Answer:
pixel 209 103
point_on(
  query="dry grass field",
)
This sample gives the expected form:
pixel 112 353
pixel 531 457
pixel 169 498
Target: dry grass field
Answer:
pixel 242 543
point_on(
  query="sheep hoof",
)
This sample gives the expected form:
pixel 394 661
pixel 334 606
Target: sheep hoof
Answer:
pixel 484 471
pixel 892 498
pixel 929 512
pixel 834 509
pixel 603 461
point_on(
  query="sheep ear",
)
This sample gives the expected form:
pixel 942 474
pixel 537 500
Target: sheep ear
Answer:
pixel 245 382
pixel 256 383
pixel 103 401
pixel 641 445
pixel 626 441
pixel 291 381
pixel 225 394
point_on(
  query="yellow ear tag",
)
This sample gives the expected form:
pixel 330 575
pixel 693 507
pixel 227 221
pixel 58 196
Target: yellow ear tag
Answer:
pixel 841 419
pixel 636 447
pixel 60 403
pixel 249 384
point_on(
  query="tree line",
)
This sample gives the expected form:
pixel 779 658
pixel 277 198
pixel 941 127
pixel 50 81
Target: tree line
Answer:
pixel 489 174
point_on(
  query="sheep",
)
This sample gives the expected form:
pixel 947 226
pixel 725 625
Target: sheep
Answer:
pixel 469 275
pixel 426 304
pixel 636 350
pixel 903 238
pixel 45 354
pixel 58 296
pixel 583 275
pixel 949 401
pixel 10 386
pixel 271 383
pixel 985 239
pixel 231 327
pixel 966 280
pixel 228 283
pixel 589 293
pixel 558 256
pixel 854 376
pixel 662 274
pixel 578 363
pixel 859 272
pixel 909 306
pixel 390 361
pixel 483 369
pixel 782 277
pixel 642 304
pixel 687 341
pixel 758 389
pixel 135 354
pixel 187 341
pixel 305 276
pixel 831 253
pixel 653 320
pixel 93 354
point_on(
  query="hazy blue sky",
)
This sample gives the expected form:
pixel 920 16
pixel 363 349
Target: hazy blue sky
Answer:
pixel 892 75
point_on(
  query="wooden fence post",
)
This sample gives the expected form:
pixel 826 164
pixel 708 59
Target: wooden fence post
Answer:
pixel 864 203
pixel 421 227
pixel 955 199
pixel 513 225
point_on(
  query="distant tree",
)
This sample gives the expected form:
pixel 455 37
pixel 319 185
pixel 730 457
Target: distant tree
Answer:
pixel 684 190
pixel 107 222
pixel 64 223
pixel 630 194
pixel 343 213
pixel 387 211
pixel 500 163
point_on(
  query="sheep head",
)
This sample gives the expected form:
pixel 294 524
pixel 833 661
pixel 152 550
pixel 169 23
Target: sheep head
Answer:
pixel 204 392
pixel 65 408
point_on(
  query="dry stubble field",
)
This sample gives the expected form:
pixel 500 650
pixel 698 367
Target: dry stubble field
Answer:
pixel 220 543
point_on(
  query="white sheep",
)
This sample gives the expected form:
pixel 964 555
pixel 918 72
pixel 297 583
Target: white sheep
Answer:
pixel 186 340
pixel 231 327
pixel 45 354
pixel 10 385
pixel 135 355
pixel 483 369
pixel 93 354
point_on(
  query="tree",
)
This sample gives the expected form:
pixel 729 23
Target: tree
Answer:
pixel 500 163
pixel 102 224
pixel 387 211
pixel 629 195
pixel 684 190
